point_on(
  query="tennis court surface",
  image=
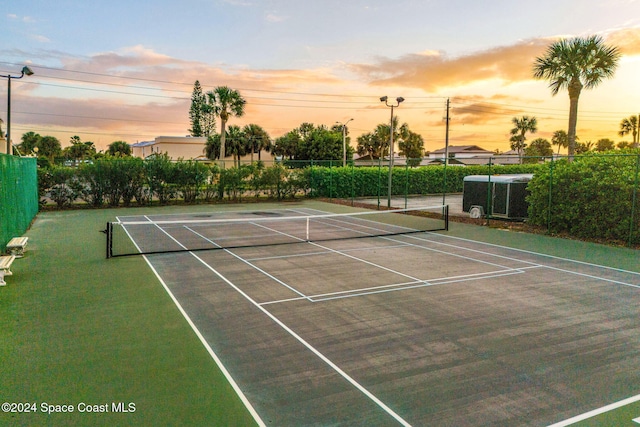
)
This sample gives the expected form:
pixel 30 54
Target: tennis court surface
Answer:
pixel 418 328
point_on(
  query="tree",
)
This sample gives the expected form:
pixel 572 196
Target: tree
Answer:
pixel 576 64
pixel 49 147
pixel 538 148
pixel 203 121
pixel 29 142
pixel 236 143
pixel 584 147
pixel 518 133
pixel 257 139
pixel 630 126
pixel 624 144
pixel 212 147
pixel 225 103
pixel 78 150
pixel 119 148
pixel 412 147
pixel 560 139
pixel 288 145
pixel 605 144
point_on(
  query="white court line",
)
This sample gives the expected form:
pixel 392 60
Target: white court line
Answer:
pixel 422 284
pixel 204 342
pixel 598 411
pixel 577 273
pixel 291 288
pixel 401 286
pixel 335 367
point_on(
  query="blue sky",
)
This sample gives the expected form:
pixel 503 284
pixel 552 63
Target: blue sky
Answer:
pixel 303 51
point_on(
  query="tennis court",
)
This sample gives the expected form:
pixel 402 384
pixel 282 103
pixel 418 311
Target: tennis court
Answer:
pixel 399 328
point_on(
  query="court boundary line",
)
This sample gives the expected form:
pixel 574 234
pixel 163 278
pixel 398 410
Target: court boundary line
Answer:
pixel 560 424
pixel 243 398
pixel 311 348
pixel 301 340
pixel 596 412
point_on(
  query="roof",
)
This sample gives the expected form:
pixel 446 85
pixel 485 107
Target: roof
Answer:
pixel 462 149
pixel 143 144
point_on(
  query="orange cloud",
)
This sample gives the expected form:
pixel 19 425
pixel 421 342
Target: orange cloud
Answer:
pixel 432 71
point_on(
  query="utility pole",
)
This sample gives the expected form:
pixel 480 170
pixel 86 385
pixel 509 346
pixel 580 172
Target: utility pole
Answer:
pixel 446 155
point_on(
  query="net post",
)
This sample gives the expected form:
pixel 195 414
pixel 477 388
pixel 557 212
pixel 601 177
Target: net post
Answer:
pixel 109 234
pixel 307 229
pixel 446 217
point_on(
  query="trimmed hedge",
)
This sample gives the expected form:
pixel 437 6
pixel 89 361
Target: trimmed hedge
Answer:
pixel 347 182
pixel 591 197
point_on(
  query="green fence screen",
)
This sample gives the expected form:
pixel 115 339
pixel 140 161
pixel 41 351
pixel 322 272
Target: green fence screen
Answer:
pixel 18 196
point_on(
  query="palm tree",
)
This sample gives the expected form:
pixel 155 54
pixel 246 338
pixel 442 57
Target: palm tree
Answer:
pixel 237 143
pixel 119 148
pixel 630 125
pixel 560 139
pixel 575 64
pixel 518 133
pixel 226 103
pixel 257 139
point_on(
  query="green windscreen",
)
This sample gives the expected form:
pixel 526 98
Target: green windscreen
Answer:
pixel 18 196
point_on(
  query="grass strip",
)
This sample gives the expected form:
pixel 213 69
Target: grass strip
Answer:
pixel 80 330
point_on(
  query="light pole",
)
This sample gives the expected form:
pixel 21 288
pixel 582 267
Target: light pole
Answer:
pixel 398 100
pixel 25 71
pixel 344 142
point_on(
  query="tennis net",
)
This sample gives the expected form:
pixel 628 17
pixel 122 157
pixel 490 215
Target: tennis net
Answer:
pixel 198 232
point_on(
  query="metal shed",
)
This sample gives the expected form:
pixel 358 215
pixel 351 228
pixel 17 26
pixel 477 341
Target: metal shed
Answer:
pixel 502 196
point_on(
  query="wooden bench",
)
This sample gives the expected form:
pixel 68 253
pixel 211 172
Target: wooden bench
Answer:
pixel 16 246
pixel 5 267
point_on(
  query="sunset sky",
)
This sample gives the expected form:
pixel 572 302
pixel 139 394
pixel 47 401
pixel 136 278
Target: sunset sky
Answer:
pixel 124 70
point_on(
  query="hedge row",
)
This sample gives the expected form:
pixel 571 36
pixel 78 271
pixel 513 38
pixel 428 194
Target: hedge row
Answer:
pixel 594 197
pixel 350 182
pixel 114 181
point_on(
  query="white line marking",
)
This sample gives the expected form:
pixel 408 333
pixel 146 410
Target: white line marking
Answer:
pixel 335 367
pixel 598 411
pixel 206 345
pixel 291 288
pixel 307 345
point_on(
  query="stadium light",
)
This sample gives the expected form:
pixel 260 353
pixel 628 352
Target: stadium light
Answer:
pixel 398 100
pixel 344 142
pixel 26 71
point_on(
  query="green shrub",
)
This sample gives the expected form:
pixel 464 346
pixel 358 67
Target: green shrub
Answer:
pixel 590 197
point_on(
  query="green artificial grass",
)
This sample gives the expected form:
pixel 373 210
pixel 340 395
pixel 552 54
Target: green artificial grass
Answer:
pixel 78 329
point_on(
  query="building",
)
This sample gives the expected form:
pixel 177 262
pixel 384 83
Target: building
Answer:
pixel 468 155
pixel 176 147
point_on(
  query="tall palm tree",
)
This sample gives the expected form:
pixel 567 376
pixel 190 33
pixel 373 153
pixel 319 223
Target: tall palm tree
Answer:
pixel 226 103
pixel 575 64
pixel 630 125
pixel 520 128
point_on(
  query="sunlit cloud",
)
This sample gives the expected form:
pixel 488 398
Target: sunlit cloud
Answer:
pixel 433 71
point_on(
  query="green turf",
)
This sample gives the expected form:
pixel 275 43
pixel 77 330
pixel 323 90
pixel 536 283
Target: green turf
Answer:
pixel 78 328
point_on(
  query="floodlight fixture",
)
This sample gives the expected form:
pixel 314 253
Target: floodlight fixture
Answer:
pixel 383 99
pixel 26 71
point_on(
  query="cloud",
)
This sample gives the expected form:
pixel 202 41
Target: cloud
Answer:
pixel 626 39
pixel 40 38
pixel 432 71
pixel 274 18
